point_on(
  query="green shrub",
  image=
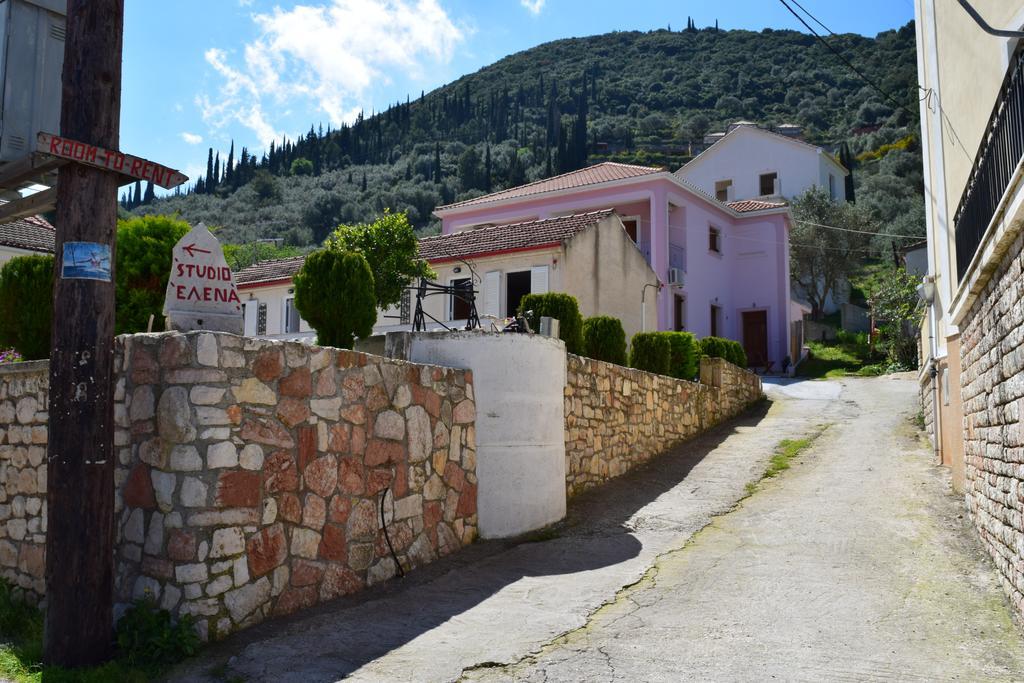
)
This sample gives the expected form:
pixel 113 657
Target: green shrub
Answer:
pixel 145 248
pixel 685 355
pixel 651 351
pixel 561 306
pixel 148 637
pixel 604 339
pixel 726 349
pixel 26 305
pixel 334 294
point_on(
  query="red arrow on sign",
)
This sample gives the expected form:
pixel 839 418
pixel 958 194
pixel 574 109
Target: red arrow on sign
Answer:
pixel 192 248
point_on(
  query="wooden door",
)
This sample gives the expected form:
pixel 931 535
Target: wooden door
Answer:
pixel 755 337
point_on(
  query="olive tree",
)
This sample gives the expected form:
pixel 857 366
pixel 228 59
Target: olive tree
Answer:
pixel 822 256
pixel 334 294
pixel 391 249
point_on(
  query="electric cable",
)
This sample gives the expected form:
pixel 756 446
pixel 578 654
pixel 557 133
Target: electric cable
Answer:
pixel 384 526
pixel 846 61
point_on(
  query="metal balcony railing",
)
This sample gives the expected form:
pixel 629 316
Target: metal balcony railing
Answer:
pixel 677 257
pixel 1001 149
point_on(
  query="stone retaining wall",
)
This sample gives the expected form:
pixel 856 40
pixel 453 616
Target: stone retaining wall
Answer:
pixel 250 473
pixel 617 418
pixel 992 388
pixel 23 418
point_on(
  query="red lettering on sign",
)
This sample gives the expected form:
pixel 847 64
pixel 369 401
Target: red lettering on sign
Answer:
pixel 179 291
pixel 136 165
pixel 55 145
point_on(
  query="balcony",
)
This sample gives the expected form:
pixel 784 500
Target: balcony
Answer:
pixel 677 257
pixel 1001 150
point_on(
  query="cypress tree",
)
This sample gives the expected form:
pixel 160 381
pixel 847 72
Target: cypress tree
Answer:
pixel 229 170
pixel 209 167
pixel 150 193
pixel 137 196
pixel 363 188
pixel 487 169
pixel 437 162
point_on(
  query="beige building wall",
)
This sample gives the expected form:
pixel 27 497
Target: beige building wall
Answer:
pixel 7 253
pixel 276 298
pixel 606 272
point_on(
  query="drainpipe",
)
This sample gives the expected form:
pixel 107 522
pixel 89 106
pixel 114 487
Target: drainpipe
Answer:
pixel 933 371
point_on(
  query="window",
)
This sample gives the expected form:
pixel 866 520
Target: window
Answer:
pixel 679 313
pixel 517 285
pixel 722 188
pixel 767 183
pixel 632 226
pixel 714 240
pixel 261 320
pixel 716 320
pixel 831 186
pixel 291 316
pixel 458 308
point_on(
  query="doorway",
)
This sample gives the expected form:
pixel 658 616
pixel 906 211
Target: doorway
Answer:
pixel 755 337
pixel 517 285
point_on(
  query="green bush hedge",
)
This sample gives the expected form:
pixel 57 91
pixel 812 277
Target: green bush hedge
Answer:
pixel 651 351
pixel 26 305
pixel 561 306
pixel 685 354
pixel 726 349
pixel 604 339
pixel 145 252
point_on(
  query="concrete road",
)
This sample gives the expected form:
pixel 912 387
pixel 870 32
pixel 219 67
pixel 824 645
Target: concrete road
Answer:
pixel 854 565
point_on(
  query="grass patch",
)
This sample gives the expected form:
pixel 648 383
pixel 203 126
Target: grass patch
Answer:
pixel 849 355
pixel 21 651
pixel 784 453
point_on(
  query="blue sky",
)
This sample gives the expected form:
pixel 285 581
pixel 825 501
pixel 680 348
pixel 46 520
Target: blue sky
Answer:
pixel 199 73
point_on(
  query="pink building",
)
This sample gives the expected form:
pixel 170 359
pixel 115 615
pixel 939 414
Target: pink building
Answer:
pixel 724 267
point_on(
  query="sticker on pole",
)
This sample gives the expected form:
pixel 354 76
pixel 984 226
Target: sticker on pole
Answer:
pixel 86 261
pixel 201 292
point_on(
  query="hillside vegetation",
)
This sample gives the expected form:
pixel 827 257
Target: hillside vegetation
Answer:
pixel 625 96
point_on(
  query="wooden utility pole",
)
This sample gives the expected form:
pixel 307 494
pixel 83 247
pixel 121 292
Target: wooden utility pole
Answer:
pixel 80 454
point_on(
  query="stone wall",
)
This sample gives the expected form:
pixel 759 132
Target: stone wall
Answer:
pixel 250 473
pixel 617 418
pixel 926 391
pixel 992 388
pixel 23 418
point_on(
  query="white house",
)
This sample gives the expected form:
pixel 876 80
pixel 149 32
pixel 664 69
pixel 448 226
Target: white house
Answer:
pixel 28 236
pixel 753 163
pixel 268 300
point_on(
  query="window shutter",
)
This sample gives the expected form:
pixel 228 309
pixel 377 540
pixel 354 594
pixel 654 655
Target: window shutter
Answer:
pixel 251 308
pixel 261 320
pixel 492 293
pixel 539 280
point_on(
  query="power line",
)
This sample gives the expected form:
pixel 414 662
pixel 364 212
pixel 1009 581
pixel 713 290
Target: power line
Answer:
pixel 862 232
pixel 840 55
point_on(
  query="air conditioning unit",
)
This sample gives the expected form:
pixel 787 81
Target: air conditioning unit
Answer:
pixel 675 277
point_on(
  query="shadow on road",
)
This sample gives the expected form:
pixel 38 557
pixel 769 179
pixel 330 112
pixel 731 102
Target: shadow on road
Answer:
pixel 334 639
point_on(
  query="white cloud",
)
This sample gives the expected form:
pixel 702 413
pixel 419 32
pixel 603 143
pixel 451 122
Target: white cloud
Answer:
pixel 534 6
pixel 191 138
pixel 327 55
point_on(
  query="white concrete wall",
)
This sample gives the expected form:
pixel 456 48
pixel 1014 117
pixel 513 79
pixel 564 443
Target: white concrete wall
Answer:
pixel 518 385
pixel 746 153
pixel 7 253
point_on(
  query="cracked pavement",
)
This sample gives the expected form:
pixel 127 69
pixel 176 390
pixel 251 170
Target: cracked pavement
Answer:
pixel 857 564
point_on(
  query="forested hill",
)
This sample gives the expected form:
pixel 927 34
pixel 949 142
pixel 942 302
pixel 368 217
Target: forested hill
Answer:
pixel 624 96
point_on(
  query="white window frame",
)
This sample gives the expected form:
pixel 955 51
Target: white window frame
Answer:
pixel 718 231
pixel 289 306
pixel 731 185
pixel 451 297
pixel 639 226
pixel 777 183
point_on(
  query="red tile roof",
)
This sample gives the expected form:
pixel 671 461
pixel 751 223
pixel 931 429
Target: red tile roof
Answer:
pixel 32 233
pixel 514 236
pixel 268 271
pixel 745 205
pixel 593 175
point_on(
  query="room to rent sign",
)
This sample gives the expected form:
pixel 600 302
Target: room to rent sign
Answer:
pixel 110 160
pixel 201 292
